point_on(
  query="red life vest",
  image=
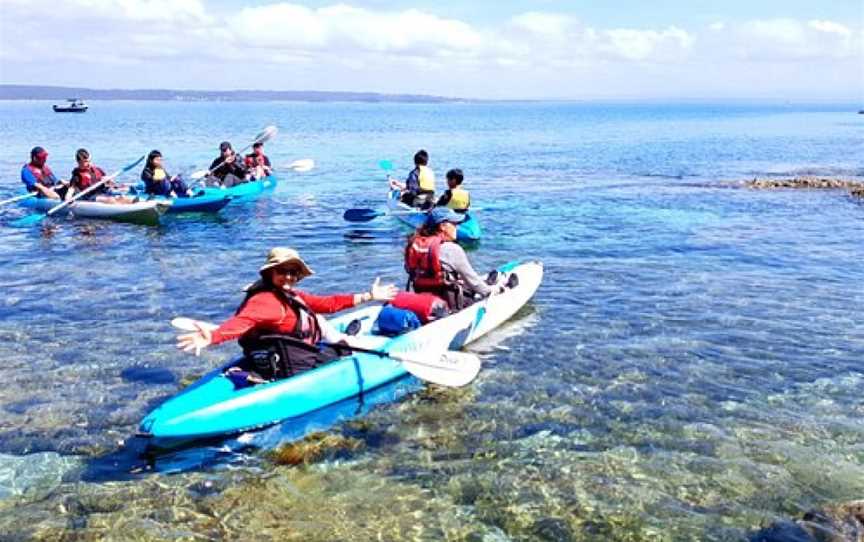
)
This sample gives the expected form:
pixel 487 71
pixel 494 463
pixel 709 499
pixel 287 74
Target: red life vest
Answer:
pixel 43 175
pixel 85 178
pixel 423 263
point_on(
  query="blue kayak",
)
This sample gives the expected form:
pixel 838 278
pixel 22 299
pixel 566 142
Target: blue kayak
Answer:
pixel 469 230
pixel 246 191
pixel 213 407
pixel 202 202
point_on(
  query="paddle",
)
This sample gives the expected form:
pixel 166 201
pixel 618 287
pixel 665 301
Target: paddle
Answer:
pixel 36 218
pixel 19 198
pixel 265 135
pixel 302 166
pixel 448 368
pixel 363 214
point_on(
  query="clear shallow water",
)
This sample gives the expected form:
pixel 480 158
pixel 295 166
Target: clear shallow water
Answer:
pixel 690 368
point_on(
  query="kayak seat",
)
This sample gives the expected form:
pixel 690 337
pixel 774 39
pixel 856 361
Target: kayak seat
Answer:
pixel 274 357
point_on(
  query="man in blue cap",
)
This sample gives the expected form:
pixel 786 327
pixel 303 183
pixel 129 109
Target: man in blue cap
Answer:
pixel 437 264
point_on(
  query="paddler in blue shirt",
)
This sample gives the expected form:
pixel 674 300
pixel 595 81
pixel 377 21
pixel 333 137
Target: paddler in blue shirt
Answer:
pixel 419 187
pixel 38 177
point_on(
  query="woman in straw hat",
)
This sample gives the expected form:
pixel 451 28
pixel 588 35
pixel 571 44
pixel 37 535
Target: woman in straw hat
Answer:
pixel 274 307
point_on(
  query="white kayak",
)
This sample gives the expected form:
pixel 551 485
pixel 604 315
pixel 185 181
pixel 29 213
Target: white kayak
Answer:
pixel 142 212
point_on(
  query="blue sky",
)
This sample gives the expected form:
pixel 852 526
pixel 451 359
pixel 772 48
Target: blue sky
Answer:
pixel 660 49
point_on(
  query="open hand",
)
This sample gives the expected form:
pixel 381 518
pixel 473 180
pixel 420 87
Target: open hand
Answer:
pixel 195 341
pixel 383 292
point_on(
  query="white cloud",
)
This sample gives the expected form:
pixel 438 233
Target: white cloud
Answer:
pixel 192 44
pixel 345 28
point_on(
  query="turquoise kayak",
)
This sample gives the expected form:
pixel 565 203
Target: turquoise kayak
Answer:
pixel 213 407
pixel 469 230
pixel 246 191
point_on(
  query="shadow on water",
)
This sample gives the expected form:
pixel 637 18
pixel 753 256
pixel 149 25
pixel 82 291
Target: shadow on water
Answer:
pixel 137 457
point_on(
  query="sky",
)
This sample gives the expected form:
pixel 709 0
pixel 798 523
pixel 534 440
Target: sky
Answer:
pixel 790 50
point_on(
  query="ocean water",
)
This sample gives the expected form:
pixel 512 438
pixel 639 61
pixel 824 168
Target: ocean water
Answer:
pixel 690 369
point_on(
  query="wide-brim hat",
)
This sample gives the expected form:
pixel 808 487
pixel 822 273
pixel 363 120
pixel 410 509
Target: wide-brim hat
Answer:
pixel 282 256
pixel 443 214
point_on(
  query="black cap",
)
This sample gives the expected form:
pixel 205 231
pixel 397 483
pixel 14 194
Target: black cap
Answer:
pixel 224 146
pixel 36 151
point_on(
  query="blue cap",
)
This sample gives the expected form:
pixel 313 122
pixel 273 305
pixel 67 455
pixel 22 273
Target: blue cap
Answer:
pixel 443 214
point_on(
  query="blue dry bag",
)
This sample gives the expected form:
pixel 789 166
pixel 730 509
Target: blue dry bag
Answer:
pixel 392 321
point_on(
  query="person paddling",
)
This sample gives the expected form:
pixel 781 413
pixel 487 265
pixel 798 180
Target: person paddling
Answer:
pixel 419 188
pixel 277 325
pixel 157 181
pixel 437 264
pixel 455 197
pixel 257 162
pixel 227 170
pixel 85 175
pixel 38 177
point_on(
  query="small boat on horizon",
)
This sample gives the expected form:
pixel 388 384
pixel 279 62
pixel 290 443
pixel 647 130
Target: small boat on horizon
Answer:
pixel 73 105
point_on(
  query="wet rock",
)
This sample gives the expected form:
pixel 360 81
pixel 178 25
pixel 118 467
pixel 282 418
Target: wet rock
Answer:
pixel 552 529
pixel 315 447
pixel 807 182
pixel 857 192
pixel 841 523
pixel 33 476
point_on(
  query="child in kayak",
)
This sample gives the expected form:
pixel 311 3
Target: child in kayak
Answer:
pixel 257 162
pixel 419 188
pixel 87 175
pixel 437 264
pixel 278 325
pixel 38 177
pixel 157 181
pixel 455 197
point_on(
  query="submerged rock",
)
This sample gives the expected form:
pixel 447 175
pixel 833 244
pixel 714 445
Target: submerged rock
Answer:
pixel 808 182
pixel 33 476
pixel 842 523
pixel 315 447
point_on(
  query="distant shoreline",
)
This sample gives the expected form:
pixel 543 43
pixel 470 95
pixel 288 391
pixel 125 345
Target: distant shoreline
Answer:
pixel 15 92
pixel 32 92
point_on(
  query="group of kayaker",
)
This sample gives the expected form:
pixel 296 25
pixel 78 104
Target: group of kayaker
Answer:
pixel 418 190
pixel 226 170
pixel 278 326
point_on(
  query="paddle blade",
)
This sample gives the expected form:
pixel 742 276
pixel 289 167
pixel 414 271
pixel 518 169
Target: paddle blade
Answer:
pixel 27 221
pixel 200 174
pixel 361 215
pixel 188 324
pixel 267 134
pixel 301 166
pixel 386 165
pixel 451 369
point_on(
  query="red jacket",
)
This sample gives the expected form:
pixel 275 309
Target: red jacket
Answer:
pixel 267 313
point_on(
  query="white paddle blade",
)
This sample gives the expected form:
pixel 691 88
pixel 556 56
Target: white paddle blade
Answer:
pixel 301 166
pixel 188 324
pixel 200 174
pixel 451 369
pixel 267 134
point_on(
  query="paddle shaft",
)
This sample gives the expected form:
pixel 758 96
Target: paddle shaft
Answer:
pixel 19 198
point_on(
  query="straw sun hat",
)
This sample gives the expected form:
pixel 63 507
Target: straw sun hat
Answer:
pixel 280 256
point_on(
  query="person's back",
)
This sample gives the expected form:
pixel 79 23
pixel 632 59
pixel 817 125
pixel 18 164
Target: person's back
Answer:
pixel 437 264
pixel 420 183
pixel 455 197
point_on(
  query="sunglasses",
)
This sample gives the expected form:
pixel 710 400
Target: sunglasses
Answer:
pixel 288 272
